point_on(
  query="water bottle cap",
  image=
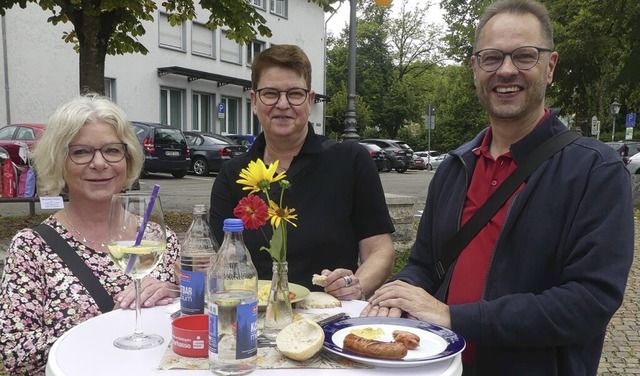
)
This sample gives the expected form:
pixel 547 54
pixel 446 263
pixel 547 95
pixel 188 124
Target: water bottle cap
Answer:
pixel 233 225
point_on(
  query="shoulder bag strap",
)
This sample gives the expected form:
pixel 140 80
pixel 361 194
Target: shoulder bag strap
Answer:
pixel 75 263
pixel 471 228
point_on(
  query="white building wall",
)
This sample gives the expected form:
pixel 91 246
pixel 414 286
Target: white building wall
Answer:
pixel 42 69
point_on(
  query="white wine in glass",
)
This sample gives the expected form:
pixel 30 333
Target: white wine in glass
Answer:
pixel 137 242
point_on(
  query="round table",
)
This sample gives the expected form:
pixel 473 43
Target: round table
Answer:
pixel 87 349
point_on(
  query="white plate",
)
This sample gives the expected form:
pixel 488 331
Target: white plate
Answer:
pixel 300 291
pixel 436 342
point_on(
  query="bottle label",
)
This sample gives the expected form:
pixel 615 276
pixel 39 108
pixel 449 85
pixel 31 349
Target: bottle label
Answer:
pixel 233 330
pixel 192 292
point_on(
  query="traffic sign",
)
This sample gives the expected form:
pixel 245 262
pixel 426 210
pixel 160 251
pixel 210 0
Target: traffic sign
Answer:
pixel 221 110
pixel 594 125
pixel 631 120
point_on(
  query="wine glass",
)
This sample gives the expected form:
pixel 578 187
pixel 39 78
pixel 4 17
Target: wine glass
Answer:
pixel 137 241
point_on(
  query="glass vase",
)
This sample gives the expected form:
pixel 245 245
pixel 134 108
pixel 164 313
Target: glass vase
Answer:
pixel 279 313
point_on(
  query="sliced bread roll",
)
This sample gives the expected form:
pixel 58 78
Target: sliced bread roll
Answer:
pixel 300 340
pixel 318 299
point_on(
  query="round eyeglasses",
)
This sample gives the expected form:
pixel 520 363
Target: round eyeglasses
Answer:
pixel 270 96
pixel 84 154
pixel 524 58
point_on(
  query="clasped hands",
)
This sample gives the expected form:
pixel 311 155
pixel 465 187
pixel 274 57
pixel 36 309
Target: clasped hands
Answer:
pixel 396 297
pixel 152 293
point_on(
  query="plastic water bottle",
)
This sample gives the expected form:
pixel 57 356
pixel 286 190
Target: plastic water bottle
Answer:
pixel 232 302
pixel 198 252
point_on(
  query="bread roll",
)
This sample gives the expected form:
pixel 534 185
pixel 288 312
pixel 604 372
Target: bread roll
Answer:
pixel 300 340
pixel 319 280
pixel 317 299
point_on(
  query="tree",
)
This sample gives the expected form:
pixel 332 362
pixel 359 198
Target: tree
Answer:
pixel 113 26
pixel 598 45
pixel 391 53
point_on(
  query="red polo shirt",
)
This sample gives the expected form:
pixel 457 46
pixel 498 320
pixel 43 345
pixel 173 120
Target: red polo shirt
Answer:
pixel 470 270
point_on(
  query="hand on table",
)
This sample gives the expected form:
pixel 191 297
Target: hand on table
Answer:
pixel 152 293
pixel 397 296
pixel 343 284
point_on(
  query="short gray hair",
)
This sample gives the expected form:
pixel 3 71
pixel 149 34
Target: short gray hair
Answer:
pixel 517 7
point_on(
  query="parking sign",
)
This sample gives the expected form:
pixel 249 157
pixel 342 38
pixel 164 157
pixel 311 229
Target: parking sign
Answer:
pixel 631 120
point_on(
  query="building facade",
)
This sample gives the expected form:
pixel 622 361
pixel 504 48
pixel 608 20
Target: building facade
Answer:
pixel 192 78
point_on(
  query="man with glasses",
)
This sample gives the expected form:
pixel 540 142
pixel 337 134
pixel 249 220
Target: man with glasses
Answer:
pixel 343 227
pixel 532 293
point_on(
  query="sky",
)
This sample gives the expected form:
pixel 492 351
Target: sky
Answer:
pixel 341 17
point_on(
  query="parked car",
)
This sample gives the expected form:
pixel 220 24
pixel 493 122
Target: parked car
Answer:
pixel 428 155
pixel 399 152
pixel 242 139
pixel 417 164
pixel 210 150
pixel 165 149
pixel 435 162
pixel 633 164
pixel 625 148
pixel 16 136
pixel 380 158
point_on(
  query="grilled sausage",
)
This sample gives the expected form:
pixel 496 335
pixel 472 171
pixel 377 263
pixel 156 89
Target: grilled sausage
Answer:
pixel 374 349
pixel 410 340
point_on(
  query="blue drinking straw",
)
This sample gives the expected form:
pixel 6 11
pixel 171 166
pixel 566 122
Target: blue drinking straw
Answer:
pixel 145 219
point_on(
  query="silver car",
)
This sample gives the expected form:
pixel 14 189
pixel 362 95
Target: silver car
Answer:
pixel 633 164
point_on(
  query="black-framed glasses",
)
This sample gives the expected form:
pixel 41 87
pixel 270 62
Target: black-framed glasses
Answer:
pixel 270 96
pixel 524 58
pixel 84 154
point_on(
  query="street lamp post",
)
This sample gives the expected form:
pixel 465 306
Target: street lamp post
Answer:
pixel 350 120
pixel 615 108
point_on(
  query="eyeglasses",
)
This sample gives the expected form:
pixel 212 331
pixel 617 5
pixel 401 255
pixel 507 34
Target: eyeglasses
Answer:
pixel 524 58
pixel 84 154
pixel 270 96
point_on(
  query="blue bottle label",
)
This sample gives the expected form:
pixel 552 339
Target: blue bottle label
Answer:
pixel 247 330
pixel 233 326
pixel 192 292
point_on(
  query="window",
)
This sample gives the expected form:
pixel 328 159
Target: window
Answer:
pixel 202 40
pixel 110 88
pixel 171 104
pixel 230 51
pixel 253 49
pixel 202 111
pixel 258 3
pixel 170 36
pixel 278 7
pixel 230 122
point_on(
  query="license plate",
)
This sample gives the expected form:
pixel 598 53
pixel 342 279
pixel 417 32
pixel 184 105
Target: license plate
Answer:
pixel 173 153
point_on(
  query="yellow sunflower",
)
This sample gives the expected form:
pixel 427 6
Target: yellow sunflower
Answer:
pixel 278 214
pixel 257 177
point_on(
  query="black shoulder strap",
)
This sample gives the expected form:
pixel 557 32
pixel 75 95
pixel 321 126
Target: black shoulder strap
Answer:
pixel 77 266
pixel 455 246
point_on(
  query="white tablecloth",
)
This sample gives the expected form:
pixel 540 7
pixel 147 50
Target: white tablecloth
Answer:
pixel 88 349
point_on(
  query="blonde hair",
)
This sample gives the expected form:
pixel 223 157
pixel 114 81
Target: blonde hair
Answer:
pixel 64 125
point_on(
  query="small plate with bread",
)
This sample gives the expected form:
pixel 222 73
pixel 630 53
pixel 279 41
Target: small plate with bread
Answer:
pixel 391 342
pixel 296 293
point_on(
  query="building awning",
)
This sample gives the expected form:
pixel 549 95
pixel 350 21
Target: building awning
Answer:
pixel 220 79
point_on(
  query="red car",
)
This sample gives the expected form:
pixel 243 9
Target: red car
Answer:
pixel 13 134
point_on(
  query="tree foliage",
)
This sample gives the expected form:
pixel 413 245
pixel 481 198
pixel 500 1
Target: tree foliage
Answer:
pixel 102 27
pixel 598 45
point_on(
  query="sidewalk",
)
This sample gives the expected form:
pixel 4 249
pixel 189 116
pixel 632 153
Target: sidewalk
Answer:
pixel 621 353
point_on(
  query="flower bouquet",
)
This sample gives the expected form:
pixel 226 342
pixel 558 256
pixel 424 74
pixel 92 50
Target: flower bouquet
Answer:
pixel 255 211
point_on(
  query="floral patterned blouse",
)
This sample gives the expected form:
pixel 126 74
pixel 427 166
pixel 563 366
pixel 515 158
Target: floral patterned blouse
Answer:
pixel 40 298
